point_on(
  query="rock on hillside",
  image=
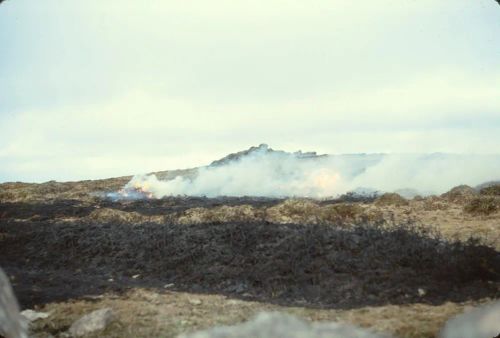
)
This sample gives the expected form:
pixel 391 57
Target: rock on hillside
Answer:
pixel 265 149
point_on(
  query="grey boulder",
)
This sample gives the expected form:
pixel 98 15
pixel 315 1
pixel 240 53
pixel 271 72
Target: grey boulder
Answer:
pixel 95 321
pixel 481 322
pixel 12 324
pixel 275 324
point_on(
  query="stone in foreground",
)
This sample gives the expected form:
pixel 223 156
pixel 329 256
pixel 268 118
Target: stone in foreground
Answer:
pixel 95 321
pixel 12 324
pixel 31 315
pixel 478 323
pixel 275 324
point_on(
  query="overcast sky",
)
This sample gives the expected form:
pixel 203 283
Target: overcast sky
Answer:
pixel 98 88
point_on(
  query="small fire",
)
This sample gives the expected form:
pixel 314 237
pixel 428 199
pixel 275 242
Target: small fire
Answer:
pixel 320 183
pixel 323 182
pixel 325 179
pixel 137 188
pixel 143 188
pixel 135 192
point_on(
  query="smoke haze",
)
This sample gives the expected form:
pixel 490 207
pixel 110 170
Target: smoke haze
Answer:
pixel 262 171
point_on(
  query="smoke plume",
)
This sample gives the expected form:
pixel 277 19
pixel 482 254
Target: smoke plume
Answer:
pixel 262 171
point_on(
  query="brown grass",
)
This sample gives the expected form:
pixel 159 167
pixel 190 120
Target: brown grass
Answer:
pixel 493 190
pixel 484 205
pixel 461 194
pixel 391 199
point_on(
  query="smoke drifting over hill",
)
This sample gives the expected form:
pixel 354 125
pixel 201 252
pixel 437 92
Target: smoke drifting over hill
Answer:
pixel 261 171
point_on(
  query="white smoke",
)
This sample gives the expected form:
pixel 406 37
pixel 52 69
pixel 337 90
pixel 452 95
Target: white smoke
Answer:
pixel 262 172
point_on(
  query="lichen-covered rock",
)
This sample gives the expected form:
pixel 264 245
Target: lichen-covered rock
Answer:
pixel 12 324
pixel 274 324
pixel 95 321
pixel 478 323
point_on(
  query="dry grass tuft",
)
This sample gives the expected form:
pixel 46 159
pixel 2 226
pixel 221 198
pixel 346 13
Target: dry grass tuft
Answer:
pixel 461 194
pixel 340 213
pixel 391 199
pixel 433 203
pixel 294 211
pixel 484 205
pixel 493 190
pixel 222 214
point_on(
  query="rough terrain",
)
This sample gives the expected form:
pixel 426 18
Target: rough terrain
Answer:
pixel 177 264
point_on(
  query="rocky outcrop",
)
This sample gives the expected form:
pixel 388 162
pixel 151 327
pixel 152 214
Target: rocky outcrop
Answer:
pixel 264 149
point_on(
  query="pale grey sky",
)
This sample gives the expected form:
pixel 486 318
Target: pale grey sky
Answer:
pixel 105 88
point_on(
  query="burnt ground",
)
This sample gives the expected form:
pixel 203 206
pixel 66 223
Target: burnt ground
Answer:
pixel 61 250
pixel 325 266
